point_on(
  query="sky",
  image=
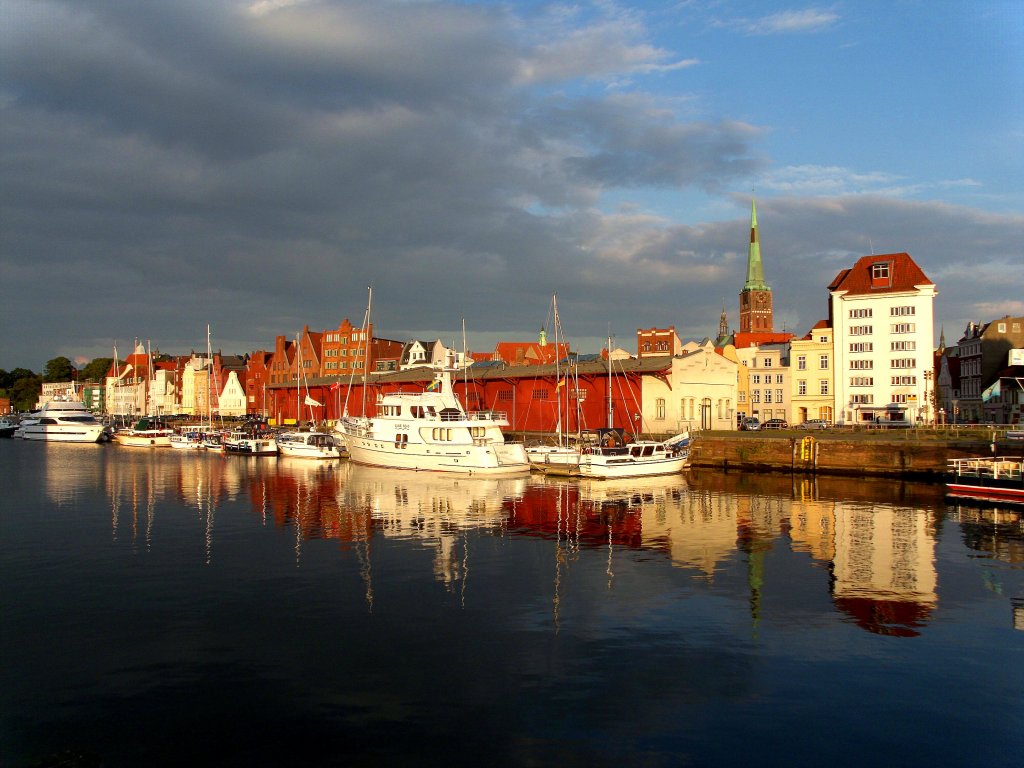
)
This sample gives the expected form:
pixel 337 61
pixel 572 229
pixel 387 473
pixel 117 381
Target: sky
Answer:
pixel 256 165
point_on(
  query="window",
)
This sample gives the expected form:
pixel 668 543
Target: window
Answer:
pixel 823 362
pixel 862 381
pixel 767 396
pixel 742 397
pixel 860 330
pixel 801 387
pixel 859 313
pixel 756 378
pixel 862 399
pixel 540 394
pixel 755 396
pixel 659 408
pixel 823 386
pixel 767 362
pixel 862 365
pixel 778 395
pixel 778 378
pixel 903 346
pixel 901 311
pixel 1002 327
pixel 823 339
pixel 862 346
pixel 505 394
pixel 903 327
pixel 880 271
pixel 904 381
pixel 801 362
pixel 903 362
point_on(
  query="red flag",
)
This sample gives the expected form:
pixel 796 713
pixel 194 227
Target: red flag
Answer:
pixel 336 385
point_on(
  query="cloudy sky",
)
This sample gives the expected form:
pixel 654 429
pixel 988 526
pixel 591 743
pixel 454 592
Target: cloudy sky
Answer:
pixel 256 164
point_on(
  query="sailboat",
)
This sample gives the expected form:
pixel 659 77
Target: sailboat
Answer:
pixel 606 453
pixel 306 445
pixel 149 431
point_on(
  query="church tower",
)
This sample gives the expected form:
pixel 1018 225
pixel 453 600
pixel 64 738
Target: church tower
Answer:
pixel 756 296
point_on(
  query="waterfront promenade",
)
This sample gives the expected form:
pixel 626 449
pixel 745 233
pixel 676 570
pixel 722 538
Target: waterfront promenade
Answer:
pixel 919 453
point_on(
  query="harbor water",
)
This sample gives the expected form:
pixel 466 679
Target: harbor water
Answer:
pixel 162 607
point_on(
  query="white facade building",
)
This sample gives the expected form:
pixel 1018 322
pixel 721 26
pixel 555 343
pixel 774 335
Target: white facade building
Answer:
pixel 882 316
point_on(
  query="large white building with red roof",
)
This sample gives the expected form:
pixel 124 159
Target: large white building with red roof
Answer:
pixel 882 316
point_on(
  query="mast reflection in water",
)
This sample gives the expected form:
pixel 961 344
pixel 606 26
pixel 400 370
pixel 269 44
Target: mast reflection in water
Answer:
pixel 169 609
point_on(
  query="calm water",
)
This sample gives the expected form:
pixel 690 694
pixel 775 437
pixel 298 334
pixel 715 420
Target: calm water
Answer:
pixel 170 608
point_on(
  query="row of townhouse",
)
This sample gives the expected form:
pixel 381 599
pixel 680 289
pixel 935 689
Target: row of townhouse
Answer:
pixel 980 377
pixel 871 361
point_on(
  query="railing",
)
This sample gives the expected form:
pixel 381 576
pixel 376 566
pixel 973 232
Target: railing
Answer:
pixel 474 416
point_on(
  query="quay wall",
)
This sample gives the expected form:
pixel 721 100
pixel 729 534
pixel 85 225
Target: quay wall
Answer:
pixel 926 460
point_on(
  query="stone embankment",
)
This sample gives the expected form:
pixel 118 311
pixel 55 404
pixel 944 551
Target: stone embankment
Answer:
pixel 921 457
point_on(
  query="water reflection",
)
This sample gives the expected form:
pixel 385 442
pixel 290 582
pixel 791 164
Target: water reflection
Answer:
pixel 876 540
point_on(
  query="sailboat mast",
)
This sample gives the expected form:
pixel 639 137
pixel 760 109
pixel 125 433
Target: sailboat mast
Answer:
pixel 366 345
pixel 209 377
pixel 558 394
pixel 611 423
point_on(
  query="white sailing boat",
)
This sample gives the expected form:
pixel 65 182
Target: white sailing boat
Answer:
pixel 311 444
pixel 606 453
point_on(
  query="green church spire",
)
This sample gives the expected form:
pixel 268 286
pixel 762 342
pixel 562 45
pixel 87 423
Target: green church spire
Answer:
pixel 755 269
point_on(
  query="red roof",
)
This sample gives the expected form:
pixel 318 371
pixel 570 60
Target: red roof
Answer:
pixel 902 275
pixel 756 339
pixel 816 327
pixel 529 352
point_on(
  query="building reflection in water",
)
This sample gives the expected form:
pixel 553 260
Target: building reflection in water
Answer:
pixel 876 540
pixel 996 533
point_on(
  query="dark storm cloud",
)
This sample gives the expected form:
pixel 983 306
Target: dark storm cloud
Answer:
pixel 256 165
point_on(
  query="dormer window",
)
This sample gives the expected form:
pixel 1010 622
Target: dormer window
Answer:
pixel 881 274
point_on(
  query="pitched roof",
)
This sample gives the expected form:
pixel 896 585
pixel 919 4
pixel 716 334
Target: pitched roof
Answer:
pixel 903 275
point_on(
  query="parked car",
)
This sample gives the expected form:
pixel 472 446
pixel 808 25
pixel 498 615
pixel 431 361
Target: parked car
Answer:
pixel 775 424
pixel 750 424
pixel 813 424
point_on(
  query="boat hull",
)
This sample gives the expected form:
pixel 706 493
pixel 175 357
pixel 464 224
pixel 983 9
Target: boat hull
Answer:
pixel 495 459
pixel 62 433
pixel 987 479
pixel 252 447
pixel 598 467
pixel 143 440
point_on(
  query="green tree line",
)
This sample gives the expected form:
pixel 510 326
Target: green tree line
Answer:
pixel 23 386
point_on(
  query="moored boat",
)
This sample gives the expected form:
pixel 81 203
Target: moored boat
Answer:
pixel 146 433
pixel 253 440
pixel 308 445
pixel 63 421
pixel 998 478
pixel 190 438
pixel 7 427
pixel 608 455
pixel 431 431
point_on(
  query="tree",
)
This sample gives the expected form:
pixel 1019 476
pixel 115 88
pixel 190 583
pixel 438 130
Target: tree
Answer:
pixel 58 369
pixel 97 369
pixel 25 392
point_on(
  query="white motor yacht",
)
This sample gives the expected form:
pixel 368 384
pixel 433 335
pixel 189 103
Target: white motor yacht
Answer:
pixel 430 430
pixel 64 421
pixel 308 445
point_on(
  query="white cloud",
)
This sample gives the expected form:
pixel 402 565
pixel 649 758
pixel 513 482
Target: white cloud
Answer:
pixel 806 21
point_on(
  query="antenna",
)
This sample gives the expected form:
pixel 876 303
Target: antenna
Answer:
pixel 871 245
